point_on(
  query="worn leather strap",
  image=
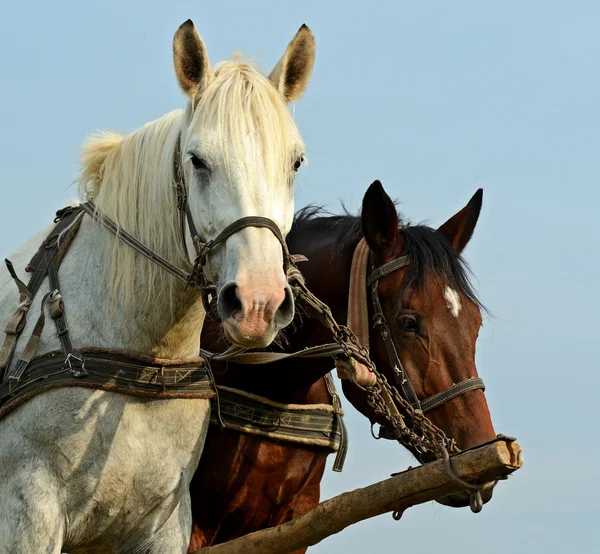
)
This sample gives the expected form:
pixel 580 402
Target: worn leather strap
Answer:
pixel 302 425
pixel 113 370
pixel 16 323
pixel 340 458
pixel 400 374
pixel 15 373
pixel 455 390
pixel 44 263
pixel 239 356
pixel 385 269
pixel 134 243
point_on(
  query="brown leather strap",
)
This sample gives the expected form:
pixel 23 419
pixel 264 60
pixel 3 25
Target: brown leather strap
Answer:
pixel 303 425
pixel 340 458
pixel 46 260
pixel 258 358
pixel 57 311
pixel 134 243
pixel 118 371
pixel 15 373
pixel 16 323
pixel 451 392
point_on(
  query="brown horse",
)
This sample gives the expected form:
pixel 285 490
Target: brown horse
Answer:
pixel 434 316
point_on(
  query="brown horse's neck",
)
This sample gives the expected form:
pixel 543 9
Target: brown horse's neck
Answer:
pixel 327 274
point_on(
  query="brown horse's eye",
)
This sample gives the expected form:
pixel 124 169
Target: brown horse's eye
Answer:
pixel 408 323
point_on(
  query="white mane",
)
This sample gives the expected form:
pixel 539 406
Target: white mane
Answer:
pixel 131 180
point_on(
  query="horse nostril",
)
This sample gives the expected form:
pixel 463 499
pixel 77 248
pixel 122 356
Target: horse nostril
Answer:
pixel 285 312
pixel 228 302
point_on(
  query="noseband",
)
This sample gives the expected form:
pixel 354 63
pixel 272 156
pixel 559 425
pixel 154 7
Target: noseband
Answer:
pixel 379 320
pixel 198 277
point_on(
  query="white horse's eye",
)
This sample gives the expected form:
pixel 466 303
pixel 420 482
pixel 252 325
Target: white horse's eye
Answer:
pixel 197 162
pixel 298 163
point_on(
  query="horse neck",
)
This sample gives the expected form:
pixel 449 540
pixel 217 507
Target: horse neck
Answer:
pixel 168 326
pixel 327 274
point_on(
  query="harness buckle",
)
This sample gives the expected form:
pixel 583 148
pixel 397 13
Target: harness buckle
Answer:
pixel 75 369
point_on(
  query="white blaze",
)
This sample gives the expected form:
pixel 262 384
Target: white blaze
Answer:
pixel 452 301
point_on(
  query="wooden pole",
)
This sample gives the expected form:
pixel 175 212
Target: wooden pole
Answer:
pixel 428 482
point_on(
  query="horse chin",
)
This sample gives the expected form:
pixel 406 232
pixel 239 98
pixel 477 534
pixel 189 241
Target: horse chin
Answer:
pixel 462 499
pixel 235 335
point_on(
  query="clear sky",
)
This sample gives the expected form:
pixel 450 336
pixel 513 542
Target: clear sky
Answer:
pixel 435 99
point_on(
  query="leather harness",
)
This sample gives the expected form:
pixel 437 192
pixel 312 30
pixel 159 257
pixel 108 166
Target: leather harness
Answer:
pixel 139 375
pixel 131 373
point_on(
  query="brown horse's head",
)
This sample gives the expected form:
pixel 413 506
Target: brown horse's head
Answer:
pixel 433 314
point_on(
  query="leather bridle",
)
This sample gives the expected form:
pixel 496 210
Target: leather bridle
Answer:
pixel 197 277
pixel 202 248
pixel 401 376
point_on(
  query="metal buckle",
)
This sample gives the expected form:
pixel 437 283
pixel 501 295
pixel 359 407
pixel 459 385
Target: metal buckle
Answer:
pixel 76 371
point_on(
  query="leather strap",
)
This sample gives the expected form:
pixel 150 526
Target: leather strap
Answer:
pixel 118 371
pixel 44 263
pixel 240 356
pixel 340 458
pixel 303 425
pixel 16 323
pixel 131 241
pixel 385 269
pixel 400 374
pixel 455 390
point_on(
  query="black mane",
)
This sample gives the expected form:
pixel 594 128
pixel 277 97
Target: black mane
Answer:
pixel 429 252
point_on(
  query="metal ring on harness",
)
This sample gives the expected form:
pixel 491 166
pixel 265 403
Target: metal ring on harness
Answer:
pixel 475 500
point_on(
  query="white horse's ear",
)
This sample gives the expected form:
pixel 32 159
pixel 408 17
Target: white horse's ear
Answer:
pixel 191 60
pixel 292 73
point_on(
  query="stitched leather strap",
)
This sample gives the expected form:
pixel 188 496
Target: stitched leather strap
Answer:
pixel 44 263
pixel 340 458
pixel 300 425
pixel 452 392
pixel 113 370
pixel 134 243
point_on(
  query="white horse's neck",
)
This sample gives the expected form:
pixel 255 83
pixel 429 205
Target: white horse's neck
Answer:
pixel 166 325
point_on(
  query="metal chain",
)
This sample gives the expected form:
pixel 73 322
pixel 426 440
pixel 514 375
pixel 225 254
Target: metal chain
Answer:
pixel 411 426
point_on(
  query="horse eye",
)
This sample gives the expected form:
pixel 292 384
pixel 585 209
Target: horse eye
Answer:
pixel 298 163
pixel 197 162
pixel 408 323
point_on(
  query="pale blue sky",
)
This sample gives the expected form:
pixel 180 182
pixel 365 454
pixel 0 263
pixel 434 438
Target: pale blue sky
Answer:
pixel 435 99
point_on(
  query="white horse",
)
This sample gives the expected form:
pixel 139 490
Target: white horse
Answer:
pixel 95 471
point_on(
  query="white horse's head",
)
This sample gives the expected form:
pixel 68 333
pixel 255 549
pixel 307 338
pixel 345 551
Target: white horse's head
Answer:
pixel 240 150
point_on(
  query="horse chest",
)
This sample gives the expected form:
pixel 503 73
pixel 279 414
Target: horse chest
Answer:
pixel 124 462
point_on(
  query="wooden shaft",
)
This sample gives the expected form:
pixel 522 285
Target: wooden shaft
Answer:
pixel 415 486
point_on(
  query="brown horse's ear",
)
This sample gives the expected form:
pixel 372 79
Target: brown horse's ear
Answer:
pixel 191 60
pixel 292 73
pixel 459 228
pixel 380 223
